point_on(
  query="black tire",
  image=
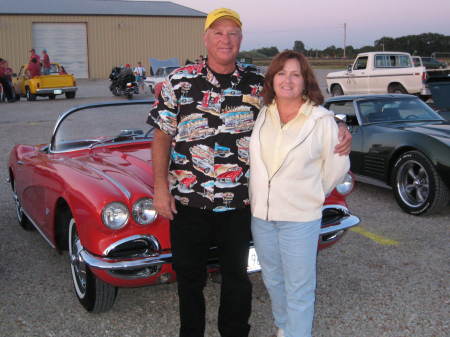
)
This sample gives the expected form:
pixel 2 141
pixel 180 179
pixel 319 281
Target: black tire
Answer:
pixel 94 294
pixel 30 97
pixel 396 89
pixel 336 90
pixel 22 219
pixel 418 188
pixel 115 90
pixel 129 96
pixel 70 94
pixel 51 96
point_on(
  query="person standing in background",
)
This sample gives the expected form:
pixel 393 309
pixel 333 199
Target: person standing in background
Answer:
pixel 35 56
pixel 139 72
pixel 45 63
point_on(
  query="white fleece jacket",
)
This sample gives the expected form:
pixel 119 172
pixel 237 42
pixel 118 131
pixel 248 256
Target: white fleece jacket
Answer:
pixel 310 170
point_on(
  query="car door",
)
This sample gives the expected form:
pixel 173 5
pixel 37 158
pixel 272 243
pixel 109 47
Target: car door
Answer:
pixel 347 108
pixel 358 78
pixel 19 81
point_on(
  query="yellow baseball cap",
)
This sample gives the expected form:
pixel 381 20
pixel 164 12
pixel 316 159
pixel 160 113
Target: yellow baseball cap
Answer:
pixel 220 13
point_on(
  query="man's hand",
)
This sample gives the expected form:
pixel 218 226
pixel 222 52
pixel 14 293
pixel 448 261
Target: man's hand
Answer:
pixel 345 140
pixel 164 203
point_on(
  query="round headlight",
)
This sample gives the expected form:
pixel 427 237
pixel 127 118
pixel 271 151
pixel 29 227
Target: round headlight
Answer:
pixel 346 186
pixel 115 215
pixel 144 212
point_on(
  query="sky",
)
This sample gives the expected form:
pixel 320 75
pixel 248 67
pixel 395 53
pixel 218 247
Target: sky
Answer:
pixel 320 23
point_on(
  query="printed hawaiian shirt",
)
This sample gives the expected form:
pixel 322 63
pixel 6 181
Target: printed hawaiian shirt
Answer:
pixel 211 128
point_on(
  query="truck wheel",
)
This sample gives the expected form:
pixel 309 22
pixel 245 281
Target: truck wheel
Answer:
pixel 29 95
pixel 418 188
pixel 94 294
pixel 396 89
pixel 70 95
pixel 336 90
pixel 51 96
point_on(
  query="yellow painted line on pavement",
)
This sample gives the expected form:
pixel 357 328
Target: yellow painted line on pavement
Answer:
pixel 374 237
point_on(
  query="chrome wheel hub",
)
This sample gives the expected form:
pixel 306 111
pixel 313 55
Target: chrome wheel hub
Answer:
pixel 77 264
pixel 413 183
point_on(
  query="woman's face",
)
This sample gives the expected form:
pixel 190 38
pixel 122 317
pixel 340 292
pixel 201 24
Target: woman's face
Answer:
pixel 288 82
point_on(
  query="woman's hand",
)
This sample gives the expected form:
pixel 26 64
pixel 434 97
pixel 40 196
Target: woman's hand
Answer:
pixel 345 141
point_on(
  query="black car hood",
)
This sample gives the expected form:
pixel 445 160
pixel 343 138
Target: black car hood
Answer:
pixel 440 131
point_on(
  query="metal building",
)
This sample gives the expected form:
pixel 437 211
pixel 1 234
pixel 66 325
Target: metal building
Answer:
pixel 89 37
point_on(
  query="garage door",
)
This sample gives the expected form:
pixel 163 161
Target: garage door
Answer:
pixel 66 43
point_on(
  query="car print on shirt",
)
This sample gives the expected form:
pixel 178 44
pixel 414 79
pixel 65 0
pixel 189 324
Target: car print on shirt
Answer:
pixel 178 158
pixel 255 96
pixel 203 159
pixel 237 120
pixel 231 92
pixel 185 179
pixel 227 198
pixel 194 127
pixel 242 145
pixel 211 102
pixel 208 190
pixel 227 175
pixel 222 151
pixel 167 121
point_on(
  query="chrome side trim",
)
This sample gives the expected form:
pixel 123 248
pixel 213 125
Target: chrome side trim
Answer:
pixel 149 238
pixel 38 229
pixel 50 90
pixel 345 222
pixel 121 264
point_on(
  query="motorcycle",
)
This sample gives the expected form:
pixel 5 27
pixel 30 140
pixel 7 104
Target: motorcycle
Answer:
pixel 123 83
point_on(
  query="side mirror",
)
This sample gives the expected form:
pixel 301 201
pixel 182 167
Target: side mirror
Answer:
pixel 349 68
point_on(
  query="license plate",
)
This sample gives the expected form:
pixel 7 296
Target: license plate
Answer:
pixel 57 91
pixel 253 263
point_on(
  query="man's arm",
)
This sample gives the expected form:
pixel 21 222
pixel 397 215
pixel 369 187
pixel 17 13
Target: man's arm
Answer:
pixel 345 140
pixel 163 201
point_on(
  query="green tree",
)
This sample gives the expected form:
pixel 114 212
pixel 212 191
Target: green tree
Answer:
pixel 299 46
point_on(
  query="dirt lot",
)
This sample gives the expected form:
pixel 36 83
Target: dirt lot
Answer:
pixel 388 279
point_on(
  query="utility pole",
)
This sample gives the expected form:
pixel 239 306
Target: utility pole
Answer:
pixel 345 37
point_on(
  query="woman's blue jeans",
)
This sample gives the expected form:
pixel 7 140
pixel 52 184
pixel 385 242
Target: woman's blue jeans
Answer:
pixel 287 252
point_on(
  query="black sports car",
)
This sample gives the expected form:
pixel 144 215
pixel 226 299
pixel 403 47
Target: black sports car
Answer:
pixel 401 143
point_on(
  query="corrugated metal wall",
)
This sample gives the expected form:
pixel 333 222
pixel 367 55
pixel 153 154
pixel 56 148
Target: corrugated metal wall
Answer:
pixel 112 40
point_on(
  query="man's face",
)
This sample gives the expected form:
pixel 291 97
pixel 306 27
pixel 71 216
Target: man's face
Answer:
pixel 223 40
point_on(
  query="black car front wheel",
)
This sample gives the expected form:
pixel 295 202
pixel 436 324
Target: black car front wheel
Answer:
pixel 94 294
pixel 418 188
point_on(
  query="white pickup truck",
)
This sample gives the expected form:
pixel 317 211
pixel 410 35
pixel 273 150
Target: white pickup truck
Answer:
pixel 378 73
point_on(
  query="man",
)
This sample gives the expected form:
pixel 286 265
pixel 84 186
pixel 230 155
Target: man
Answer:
pixel 34 56
pixel 125 75
pixel 139 72
pixel 33 68
pixel 45 63
pixel 5 80
pixel 205 115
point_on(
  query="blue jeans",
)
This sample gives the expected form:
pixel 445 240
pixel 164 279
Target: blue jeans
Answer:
pixel 287 252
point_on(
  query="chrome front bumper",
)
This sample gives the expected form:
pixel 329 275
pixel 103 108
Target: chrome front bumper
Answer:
pixel 334 227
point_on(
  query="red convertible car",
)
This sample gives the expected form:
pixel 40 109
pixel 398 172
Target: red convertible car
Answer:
pixel 89 191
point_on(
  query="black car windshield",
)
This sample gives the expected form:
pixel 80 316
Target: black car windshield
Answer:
pixel 99 124
pixel 390 109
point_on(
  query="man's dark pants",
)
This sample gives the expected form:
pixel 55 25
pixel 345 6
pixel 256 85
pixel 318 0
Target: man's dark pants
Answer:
pixel 193 230
pixel 6 87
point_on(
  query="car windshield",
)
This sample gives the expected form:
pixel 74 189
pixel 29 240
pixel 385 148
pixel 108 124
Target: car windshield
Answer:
pixel 408 109
pixel 101 124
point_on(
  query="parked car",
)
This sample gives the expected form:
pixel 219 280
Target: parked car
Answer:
pixel 382 72
pixel 399 142
pixel 428 62
pixel 56 83
pixel 160 75
pixel 89 190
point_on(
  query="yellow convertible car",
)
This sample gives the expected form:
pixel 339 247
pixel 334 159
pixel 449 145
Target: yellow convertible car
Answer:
pixel 56 83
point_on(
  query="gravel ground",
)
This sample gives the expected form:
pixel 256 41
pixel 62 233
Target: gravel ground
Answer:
pixel 365 289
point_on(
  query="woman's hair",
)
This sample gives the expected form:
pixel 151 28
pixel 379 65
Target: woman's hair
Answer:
pixel 312 90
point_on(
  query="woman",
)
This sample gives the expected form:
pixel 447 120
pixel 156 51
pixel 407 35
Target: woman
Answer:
pixel 293 167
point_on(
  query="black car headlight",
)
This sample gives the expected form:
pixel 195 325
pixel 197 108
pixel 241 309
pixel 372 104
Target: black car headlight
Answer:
pixel 143 211
pixel 346 186
pixel 115 215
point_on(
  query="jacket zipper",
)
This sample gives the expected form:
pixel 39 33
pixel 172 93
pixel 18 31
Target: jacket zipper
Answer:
pixel 270 180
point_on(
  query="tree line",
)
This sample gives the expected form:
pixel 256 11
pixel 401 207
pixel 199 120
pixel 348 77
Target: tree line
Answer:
pixel 423 45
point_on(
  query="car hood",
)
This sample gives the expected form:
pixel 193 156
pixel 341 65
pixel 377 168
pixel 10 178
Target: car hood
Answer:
pixel 439 131
pixel 337 74
pixel 125 172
